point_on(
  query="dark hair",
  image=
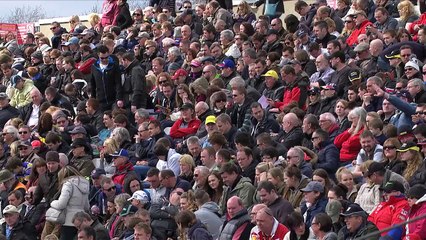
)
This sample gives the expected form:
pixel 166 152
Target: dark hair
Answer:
pixel 153 172
pixel 52 137
pixel 270 151
pixel 229 168
pixel 89 231
pixel 102 49
pixel 244 139
pixel 340 190
pixel 160 150
pixel 293 171
pixel 295 219
pixel 186 218
pixel 325 222
pixel 268 186
pixel 322 134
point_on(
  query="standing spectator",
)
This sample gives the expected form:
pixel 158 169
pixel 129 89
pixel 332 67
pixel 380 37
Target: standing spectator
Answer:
pixel 110 11
pixel 57 31
pixel 208 212
pixel 123 19
pixel 106 80
pixel 135 95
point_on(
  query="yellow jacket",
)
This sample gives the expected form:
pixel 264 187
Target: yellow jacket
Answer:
pixel 22 97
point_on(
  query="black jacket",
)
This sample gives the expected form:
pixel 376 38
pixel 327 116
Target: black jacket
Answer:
pixel 96 120
pixel 6 114
pixel 61 101
pixel 106 84
pixel 327 105
pixel 23 230
pixel 293 138
pixel 124 19
pixel 238 114
pixel 134 87
pixel 25 112
pixel 268 124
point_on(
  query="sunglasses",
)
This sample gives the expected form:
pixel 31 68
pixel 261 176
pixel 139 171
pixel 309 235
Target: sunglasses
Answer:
pixel 103 58
pixel 399 88
pixel 136 14
pixel 162 82
pixel 52 28
pixel 110 189
pixel 409 69
pixel 23 132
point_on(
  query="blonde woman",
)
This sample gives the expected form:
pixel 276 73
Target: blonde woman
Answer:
pixel 74 197
pixel 187 201
pixel 74 23
pixel 94 20
pixel 187 165
pixel 244 13
pixel 105 162
pixel 407 13
pixel 391 158
pixel 345 177
pixel 349 142
pixel 410 154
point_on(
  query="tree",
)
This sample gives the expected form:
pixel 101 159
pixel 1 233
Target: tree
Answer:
pixel 25 14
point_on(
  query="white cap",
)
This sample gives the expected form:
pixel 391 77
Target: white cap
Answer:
pixel 10 209
pixel 140 195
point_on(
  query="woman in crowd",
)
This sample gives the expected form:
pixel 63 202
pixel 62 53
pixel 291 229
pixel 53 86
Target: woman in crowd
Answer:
pixel 131 185
pixel 348 142
pixel 369 194
pixel 261 172
pixel 391 158
pixel 115 225
pixel 343 7
pixel 187 201
pixel 244 13
pixel 73 198
pixel 294 181
pixel 218 102
pixel 341 111
pixel 276 177
pixel 122 137
pixel 110 212
pixel 349 26
pixel 109 147
pixel 298 229
pixel 315 201
pixel 183 95
pixel 321 176
pixel 417 200
pixel 410 154
pixel 322 227
pixel 190 228
pixel 313 101
pixel 345 177
pixel 38 169
pixel 187 165
pixel 216 184
pixel 407 13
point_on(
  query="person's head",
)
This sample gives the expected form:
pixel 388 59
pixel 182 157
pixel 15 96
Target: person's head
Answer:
pixel 265 220
pixel 358 118
pixel 229 173
pixel 292 176
pixel 11 215
pixel 337 192
pixel 415 86
pixel 215 180
pixel 318 137
pixel 327 121
pixel 87 233
pixel 313 191
pixel 295 155
pixel 355 216
pixel 381 15
pixel 320 29
pixel 167 178
pixel 368 141
pixel 234 206
pixel 360 17
pixel 290 121
pixel 186 163
pixel 415 193
pixel 224 123
pixel 244 157
pixel 322 62
pixel 267 192
pixel 321 223
pixel 297 223
pixel 405 52
pixel 81 220
pixel 108 188
pixel 142 231
pixel 15 198
pixel 152 176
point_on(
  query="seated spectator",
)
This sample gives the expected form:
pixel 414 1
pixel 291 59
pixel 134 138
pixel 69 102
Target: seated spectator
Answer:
pixel 294 181
pixel 279 207
pixel 315 201
pixel 328 154
pixel 208 212
pixel 357 224
pixel 14 226
pixel 268 225
pixel 236 213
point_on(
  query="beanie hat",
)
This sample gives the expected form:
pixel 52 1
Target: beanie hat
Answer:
pixel 52 156
pixel 37 54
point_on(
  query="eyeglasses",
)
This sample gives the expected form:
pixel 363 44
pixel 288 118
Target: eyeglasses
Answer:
pixel 406 55
pixel 399 88
pixel 52 28
pixel 290 157
pixel 22 148
pixel 187 7
pixel 409 69
pixel 143 131
pixel 60 122
pixel 204 72
pixel 273 25
pixel 312 93
pixel 136 14
pixel 389 147
pixel 234 95
pixel 348 21
pixel 162 82
pixel 110 189
pixel 419 113
pixel 23 132
pixel 313 138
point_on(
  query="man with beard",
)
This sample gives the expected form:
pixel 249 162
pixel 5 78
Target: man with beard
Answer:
pixel 328 97
pixel 370 150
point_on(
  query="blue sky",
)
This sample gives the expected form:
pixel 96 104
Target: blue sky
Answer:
pixel 53 8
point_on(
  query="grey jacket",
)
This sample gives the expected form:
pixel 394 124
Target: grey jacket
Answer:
pixel 208 214
pixel 74 198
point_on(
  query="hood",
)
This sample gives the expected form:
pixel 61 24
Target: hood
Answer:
pixel 81 184
pixel 197 225
pixel 211 207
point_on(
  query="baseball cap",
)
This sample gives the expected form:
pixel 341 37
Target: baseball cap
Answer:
pixel 96 173
pixel 313 186
pixel 417 191
pixel 374 167
pixel 78 129
pixel 354 209
pixel 394 54
pixel 362 47
pixel 72 41
pixel 404 130
pixel 195 63
pixel 301 33
pixel 52 156
pixel 3 95
pixel 15 79
pixel 355 75
pixel 186 106
pixel 210 119
pixel 143 35
pixel 330 86
pixel 271 73
pixel 129 209
pixel 120 153
pixel 10 209
pixel 227 63
pixel 88 32
pixel 25 143
pixel 393 186
pixel 272 31
pixel 408 146
pixel 359 12
pixel 141 196
pixel 36 144
pixel 207 59
pixel 180 73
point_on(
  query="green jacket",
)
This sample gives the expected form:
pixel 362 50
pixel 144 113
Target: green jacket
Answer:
pixel 22 97
pixel 244 190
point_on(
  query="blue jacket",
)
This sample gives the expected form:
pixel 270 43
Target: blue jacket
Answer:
pixel 198 231
pixel 406 110
pixel 318 207
pixel 328 158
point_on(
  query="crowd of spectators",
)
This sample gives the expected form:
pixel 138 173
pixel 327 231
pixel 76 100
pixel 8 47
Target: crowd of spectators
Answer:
pixel 212 122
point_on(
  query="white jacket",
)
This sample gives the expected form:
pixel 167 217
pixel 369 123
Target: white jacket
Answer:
pixel 74 198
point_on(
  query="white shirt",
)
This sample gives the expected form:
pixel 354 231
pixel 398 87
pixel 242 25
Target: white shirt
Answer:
pixel 33 121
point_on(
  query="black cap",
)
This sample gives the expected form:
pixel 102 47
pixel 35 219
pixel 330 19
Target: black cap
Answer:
pixel 355 75
pixel 393 186
pixel 404 130
pixel 354 209
pixel 410 145
pixel 187 106
pixel 79 142
pixel 374 167
pixel 97 173
pixel 315 90
pixel 417 191
pixel 393 54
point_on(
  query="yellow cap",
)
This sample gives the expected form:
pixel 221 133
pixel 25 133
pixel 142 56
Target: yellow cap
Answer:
pixel 271 73
pixel 210 119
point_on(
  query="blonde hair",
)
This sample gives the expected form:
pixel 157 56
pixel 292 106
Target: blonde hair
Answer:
pixel 330 23
pixel 65 173
pixel 406 9
pixel 14 151
pixel 361 114
pixel 94 19
pixel 413 164
pixel 189 196
pixel 243 8
pixel 51 237
pixel 111 145
pixel 187 159
pixel 263 167
pixel 340 172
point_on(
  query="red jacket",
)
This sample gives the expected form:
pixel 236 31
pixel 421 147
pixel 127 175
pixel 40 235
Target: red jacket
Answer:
pixel 178 132
pixel 293 93
pixel 349 145
pixel 420 21
pixel 278 232
pixel 110 10
pixel 419 226
pixel 362 29
pixel 389 213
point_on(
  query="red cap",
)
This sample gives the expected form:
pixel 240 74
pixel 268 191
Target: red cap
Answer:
pixel 179 73
pixel 36 144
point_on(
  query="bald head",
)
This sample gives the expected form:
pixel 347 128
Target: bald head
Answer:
pixel 376 47
pixel 36 96
pixel 234 206
pixel 256 208
pixel 200 108
pixel 265 220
